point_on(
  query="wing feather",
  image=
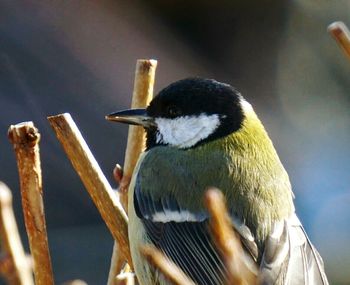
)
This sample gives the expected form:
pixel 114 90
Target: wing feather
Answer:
pixel 189 245
pixel 290 258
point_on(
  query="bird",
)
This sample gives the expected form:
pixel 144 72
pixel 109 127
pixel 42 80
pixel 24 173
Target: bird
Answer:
pixel 202 133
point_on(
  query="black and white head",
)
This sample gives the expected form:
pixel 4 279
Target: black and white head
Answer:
pixel 188 113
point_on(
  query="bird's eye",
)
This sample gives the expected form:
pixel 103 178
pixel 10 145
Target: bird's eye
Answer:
pixel 173 111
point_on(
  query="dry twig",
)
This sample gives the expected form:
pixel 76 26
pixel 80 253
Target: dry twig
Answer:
pixel 169 269
pixel 95 182
pixel 119 273
pixel 14 264
pixel 142 95
pixel 227 241
pixel 341 34
pixel 116 267
pixel 25 138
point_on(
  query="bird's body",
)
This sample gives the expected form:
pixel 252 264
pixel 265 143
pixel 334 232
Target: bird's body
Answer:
pixel 202 133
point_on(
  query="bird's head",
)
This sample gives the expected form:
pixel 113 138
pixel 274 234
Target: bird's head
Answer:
pixel 188 113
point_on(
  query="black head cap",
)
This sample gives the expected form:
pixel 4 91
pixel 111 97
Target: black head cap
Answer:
pixel 195 96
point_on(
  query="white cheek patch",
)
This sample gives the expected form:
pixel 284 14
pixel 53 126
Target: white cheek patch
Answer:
pixel 186 131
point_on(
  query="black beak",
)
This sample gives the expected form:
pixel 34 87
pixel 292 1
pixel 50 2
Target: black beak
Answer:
pixel 132 117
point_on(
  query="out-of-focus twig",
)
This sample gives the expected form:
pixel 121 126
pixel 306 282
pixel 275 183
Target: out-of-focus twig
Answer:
pixel 169 269
pixel 117 260
pixel 25 139
pixel 14 264
pixel 341 34
pixel 142 95
pixel 124 275
pixel 227 241
pixel 125 278
pixel 117 263
pixel 94 180
pixel 75 282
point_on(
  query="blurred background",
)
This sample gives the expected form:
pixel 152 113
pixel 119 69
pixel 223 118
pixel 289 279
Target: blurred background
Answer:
pixel 79 57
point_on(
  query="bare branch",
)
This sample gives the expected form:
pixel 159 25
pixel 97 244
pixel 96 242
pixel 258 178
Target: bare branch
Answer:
pixel 14 265
pixel 341 34
pixel 25 139
pixel 94 180
pixel 116 267
pixel 142 95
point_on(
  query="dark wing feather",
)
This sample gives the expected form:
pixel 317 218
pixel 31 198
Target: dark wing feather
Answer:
pixel 191 248
pixel 187 242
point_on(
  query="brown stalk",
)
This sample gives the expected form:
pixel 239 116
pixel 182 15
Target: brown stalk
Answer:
pixel 341 34
pixel 120 273
pixel 169 269
pixel 94 180
pixel 14 264
pixel 142 96
pixel 116 267
pixel 227 241
pixel 25 140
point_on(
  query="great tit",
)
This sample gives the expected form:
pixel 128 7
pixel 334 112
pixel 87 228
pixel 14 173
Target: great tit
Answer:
pixel 203 133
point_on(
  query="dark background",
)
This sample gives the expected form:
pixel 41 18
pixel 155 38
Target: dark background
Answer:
pixel 79 57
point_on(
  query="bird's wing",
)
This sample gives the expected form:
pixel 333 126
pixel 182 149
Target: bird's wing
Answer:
pixel 182 236
pixel 290 258
pixel 182 232
pixel 174 226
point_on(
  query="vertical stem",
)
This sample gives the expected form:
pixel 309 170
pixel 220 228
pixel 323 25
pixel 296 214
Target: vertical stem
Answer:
pixel 142 95
pixel 117 263
pixel 25 139
pixel 20 272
